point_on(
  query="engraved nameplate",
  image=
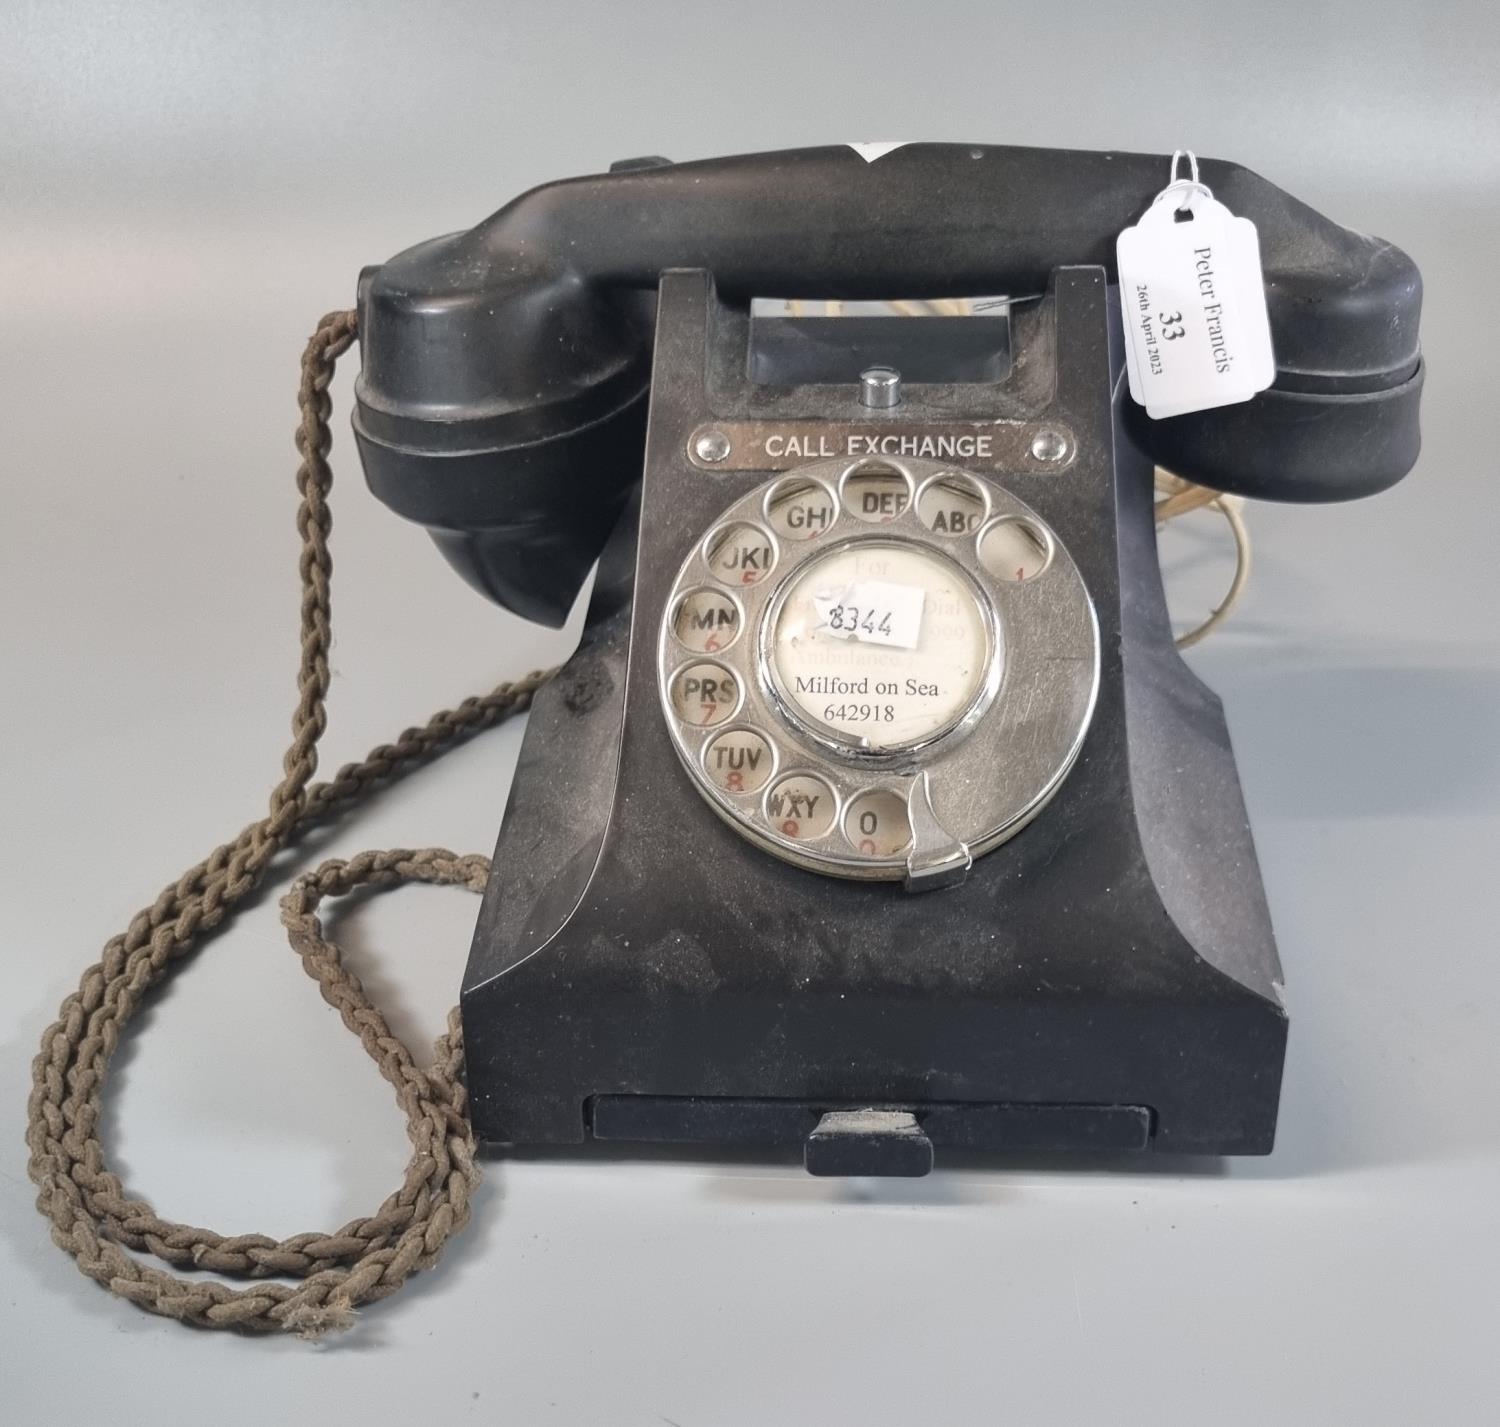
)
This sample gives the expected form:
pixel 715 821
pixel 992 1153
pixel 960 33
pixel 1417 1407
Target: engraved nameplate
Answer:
pixel 997 446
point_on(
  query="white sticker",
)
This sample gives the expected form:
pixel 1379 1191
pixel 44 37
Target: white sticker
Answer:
pixel 873 612
pixel 870 152
pixel 1193 302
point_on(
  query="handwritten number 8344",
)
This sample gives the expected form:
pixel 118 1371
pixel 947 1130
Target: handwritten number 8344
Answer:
pixel 846 619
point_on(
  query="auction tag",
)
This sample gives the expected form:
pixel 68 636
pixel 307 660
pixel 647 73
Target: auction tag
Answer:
pixel 1193 302
pixel 874 612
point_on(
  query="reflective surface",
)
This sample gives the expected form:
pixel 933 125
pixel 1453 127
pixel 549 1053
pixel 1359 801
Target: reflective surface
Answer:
pixel 881 644
pixel 868 655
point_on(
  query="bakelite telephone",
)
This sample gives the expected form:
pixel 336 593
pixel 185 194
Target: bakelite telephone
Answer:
pixel 876 813
pixel 878 611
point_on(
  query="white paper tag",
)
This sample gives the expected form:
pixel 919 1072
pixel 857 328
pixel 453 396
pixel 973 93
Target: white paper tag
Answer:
pixel 873 612
pixel 1193 302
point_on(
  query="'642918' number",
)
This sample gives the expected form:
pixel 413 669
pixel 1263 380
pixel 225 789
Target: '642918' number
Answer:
pixel 859 713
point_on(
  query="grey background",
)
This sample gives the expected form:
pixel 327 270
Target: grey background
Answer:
pixel 183 189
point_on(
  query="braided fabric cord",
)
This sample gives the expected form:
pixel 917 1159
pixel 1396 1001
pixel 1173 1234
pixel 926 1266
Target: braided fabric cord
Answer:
pixel 93 1218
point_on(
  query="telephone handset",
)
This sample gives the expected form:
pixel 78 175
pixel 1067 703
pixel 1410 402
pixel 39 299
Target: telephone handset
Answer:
pixel 505 374
pixel 878 611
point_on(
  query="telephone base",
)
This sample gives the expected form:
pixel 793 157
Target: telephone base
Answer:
pixel 1105 980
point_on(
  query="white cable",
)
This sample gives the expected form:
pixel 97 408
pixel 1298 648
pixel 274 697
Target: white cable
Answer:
pixel 1178 498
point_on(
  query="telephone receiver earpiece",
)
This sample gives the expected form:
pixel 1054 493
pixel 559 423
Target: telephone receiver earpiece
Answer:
pixel 502 401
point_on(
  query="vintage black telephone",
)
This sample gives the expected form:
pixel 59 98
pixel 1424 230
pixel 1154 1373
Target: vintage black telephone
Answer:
pixel 877 613
pixel 699 926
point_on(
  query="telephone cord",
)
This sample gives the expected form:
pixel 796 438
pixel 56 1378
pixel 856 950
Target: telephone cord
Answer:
pixel 93 1218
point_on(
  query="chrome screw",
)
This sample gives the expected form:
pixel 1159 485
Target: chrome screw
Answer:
pixel 712 446
pixel 1049 445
